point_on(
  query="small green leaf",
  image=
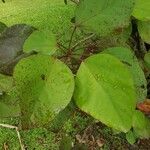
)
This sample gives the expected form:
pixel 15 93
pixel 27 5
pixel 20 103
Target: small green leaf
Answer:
pixel 131 138
pixel 142 10
pixel 45 86
pixel 105 90
pixel 129 59
pixel 144 31
pixel 141 125
pixel 41 42
pixel 103 17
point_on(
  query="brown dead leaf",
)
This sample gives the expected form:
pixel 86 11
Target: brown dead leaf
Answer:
pixel 144 107
pixel 100 142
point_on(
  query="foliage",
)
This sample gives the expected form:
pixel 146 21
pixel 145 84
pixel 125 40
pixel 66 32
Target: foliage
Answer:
pixel 144 31
pixel 106 17
pixel 44 43
pixel 43 91
pixel 141 10
pixel 127 57
pixel 141 125
pixel 102 88
pixel 109 83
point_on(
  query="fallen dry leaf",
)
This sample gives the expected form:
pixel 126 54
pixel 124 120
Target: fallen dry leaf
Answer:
pixel 100 142
pixel 144 107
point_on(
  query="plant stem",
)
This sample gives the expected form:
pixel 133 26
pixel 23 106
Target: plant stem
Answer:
pixel 75 1
pixel 74 29
pixel 83 40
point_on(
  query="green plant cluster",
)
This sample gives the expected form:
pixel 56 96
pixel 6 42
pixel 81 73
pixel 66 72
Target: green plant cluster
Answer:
pixel 101 65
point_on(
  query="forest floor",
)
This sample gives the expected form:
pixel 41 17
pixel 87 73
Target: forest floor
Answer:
pixel 75 128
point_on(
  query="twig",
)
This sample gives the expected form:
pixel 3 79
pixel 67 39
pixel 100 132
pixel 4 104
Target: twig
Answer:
pixel 72 37
pixel 75 1
pixel 18 134
pixel 83 40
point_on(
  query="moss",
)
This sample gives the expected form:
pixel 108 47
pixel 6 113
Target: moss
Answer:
pixel 44 15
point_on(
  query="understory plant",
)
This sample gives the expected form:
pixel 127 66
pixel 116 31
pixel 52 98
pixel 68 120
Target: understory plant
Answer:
pixel 101 63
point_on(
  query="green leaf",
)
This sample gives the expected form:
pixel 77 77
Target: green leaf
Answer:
pixel 142 10
pixel 105 90
pixel 103 17
pixel 129 59
pixel 144 31
pixel 141 125
pixel 45 86
pixel 147 60
pixel 131 138
pixel 44 43
pixel 118 39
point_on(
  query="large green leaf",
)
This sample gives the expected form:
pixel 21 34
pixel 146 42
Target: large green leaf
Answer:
pixel 105 90
pixel 141 125
pixel 45 86
pixel 104 17
pixel 142 10
pixel 144 31
pixel 130 60
pixel 41 42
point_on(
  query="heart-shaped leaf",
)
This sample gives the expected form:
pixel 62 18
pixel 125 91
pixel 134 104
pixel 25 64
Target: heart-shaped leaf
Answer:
pixel 144 31
pixel 105 90
pixel 142 10
pixel 103 17
pixel 41 42
pixel 129 59
pixel 45 86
